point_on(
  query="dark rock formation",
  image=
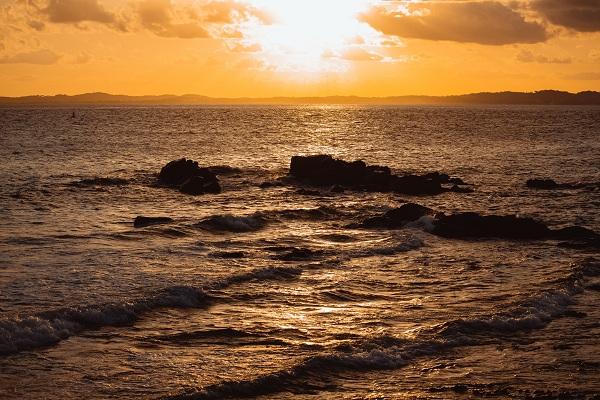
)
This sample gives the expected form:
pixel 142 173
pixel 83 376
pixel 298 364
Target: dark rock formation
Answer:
pixel 100 182
pixel 224 170
pixel 398 217
pixel 324 170
pixel 141 221
pixel 537 183
pixel 473 225
pixel 549 184
pixel 189 178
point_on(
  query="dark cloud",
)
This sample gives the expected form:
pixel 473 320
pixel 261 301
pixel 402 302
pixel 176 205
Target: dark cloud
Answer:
pixel 527 56
pixel 74 11
pixel 40 57
pixel 158 17
pixel 584 76
pixel 483 22
pixel 579 15
pixel 230 11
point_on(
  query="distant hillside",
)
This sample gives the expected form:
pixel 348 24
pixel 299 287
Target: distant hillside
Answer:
pixel 544 97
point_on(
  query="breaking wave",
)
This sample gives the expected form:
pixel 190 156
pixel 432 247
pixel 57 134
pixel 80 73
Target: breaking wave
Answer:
pixel 388 352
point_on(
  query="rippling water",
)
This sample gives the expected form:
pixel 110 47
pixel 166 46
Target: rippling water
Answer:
pixel 92 307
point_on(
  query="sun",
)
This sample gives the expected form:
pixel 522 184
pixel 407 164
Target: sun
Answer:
pixel 307 35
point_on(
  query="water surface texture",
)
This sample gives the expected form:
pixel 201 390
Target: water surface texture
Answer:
pixel 279 297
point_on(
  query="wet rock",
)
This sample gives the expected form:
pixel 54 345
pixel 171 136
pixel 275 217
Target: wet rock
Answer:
pixel 141 221
pixel 549 184
pixel 98 181
pixel 473 225
pixel 189 177
pixel 538 183
pixel 198 185
pixel 324 170
pixel 398 217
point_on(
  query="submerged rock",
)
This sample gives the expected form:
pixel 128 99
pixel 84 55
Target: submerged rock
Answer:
pixel 550 184
pixel 470 225
pixel 99 181
pixel 324 170
pixel 537 183
pixel 398 217
pixel 189 177
pixel 473 225
pixel 141 221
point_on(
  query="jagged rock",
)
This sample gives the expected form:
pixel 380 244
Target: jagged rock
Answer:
pixel 197 185
pixel 189 177
pixel 141 221
pixel 537 183
pixel 324 170
pixel 473 225
pixel 398 217
pixel 97 181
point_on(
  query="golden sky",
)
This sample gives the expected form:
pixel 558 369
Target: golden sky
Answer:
pixel 261 48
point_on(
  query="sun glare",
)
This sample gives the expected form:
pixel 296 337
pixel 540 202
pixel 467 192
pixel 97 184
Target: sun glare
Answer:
pixel 310 35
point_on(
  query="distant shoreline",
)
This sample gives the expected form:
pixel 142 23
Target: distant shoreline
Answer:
pixel 544 97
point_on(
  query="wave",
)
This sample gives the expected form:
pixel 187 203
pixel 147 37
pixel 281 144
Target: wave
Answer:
pixel 51 327
pixel 388 352
pixel 231 223
pixel 222 336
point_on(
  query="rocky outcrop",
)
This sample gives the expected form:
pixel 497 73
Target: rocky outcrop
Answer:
pixel 189 177
pixel 550 184
pixel 324 170
pixel 397 217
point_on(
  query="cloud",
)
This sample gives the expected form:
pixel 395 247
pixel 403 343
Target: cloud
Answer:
pixel 230 11
pixel 579 15
pixel 584 76
pixel 158 16
pixel 246 48
pixel 75 11
pixel 353 54
pixel 527 56
pixel 482 22
pixel 40 57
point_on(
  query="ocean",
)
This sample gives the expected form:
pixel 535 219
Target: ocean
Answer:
pixel 275 290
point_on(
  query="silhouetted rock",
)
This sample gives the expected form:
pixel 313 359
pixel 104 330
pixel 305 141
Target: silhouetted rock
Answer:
pixel 398 217
pixel 541 184
pixel 189 178
pixel 324 170
pixel 549 184
pixel 100 182
pixel 197 185
pixel 141 221
pixel 473 225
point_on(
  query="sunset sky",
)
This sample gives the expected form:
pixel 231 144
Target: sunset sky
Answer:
pixel 261 48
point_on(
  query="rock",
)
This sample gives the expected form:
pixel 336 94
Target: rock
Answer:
pixel 141 221
pixel 416 185
pixel 473 225
pixel 537 183
pixel 549 184
pixel 398 217
pixel 189 177
pixel 575 233
pixel 100 182
pixel 197 185
pixel 324 170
